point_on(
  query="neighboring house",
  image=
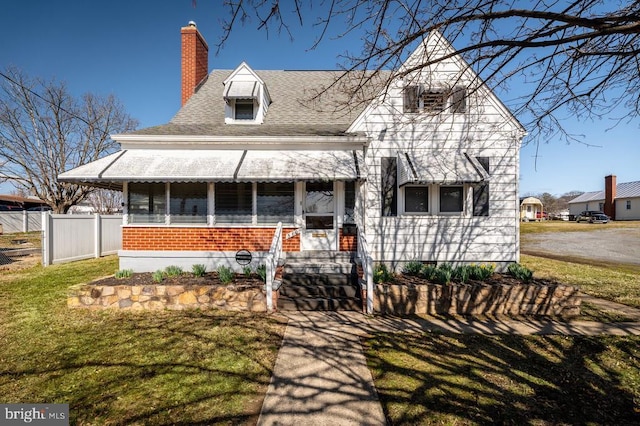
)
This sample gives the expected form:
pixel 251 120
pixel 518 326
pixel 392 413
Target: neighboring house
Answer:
pixel 425 170
pixel 619 201
pixel 16 202
pixel 531 208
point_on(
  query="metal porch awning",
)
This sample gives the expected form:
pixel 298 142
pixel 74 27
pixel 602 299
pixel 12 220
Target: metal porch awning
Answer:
pixel 442 167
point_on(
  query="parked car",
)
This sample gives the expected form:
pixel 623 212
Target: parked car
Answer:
pixel 585 216
pixel 6 208
pixel 599 218
pixel 39 209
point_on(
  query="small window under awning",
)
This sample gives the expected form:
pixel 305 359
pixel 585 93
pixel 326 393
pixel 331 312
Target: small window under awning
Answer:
pixel 242 90
pixel 439 167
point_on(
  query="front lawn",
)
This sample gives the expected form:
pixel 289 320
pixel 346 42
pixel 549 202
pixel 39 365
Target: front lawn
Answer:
pixel 440 379
pixel 619 283
pixel 161 367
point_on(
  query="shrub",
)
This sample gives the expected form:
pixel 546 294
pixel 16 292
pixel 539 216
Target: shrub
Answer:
pixel 123 273
pixel 247 270
pixel 520 272
pixel 481 272
pixel 462 273
pixel 158 276
pixel 429 272
pixel 381 274
pixel 198 270
pixel 412 267
pixel 173 271
pixel 225 274
pixel 262 272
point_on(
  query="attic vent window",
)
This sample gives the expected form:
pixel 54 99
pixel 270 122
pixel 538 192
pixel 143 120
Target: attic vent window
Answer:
pixel 418 98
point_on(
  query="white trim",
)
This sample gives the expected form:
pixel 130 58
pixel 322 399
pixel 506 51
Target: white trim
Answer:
pixel 276 142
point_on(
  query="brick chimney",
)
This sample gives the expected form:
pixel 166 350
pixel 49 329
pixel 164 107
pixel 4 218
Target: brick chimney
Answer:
pixel 195 60
pixel 610 196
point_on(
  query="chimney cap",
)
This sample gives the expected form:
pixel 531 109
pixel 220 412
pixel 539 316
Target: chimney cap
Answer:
pixel 192 23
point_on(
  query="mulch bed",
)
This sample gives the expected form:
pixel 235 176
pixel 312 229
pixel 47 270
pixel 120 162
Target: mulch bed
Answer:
pixel 210 278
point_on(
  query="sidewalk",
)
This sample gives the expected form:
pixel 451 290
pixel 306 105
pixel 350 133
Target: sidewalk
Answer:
pixel 321 378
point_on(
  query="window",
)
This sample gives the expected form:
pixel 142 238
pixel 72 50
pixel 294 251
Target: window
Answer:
pixel 628 204
pixel 233 202
pixel 416 199
pixel 188 203
pixel 243 110
pixel 147 202
pixel 275 203
pixel 451 199
pixel 389 186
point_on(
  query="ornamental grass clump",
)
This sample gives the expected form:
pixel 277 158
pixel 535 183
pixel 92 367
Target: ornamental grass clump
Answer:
pixel 262 272
pixel 123 273
pixel 462 273
pixel 520 272
pixel 481 272
pixel 413 268
pixel 247 271
pixel 444 273
pixel 158 276
pixel 173 271
pixel 225 274
pixel 198 270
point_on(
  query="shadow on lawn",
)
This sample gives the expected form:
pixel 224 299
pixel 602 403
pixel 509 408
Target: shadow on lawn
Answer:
pixel 188 367
pixel 471 379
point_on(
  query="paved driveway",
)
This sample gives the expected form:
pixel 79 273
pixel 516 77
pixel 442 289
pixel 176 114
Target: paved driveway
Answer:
pixel 610 245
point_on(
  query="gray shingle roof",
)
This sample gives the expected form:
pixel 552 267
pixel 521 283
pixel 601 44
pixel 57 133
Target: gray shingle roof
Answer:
pixel 291 113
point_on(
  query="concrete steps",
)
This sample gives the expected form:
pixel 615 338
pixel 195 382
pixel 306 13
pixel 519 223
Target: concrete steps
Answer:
pixel 319 281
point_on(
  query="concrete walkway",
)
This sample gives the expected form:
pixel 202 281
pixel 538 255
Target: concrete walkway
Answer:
pixel 321 378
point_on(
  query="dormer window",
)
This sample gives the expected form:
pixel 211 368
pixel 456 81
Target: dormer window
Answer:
pixel 243 110
pixel 246 97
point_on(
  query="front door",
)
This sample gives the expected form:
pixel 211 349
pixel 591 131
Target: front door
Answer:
pixel 319 206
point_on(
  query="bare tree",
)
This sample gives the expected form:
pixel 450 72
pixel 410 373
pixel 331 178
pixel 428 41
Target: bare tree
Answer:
pixel 104 201
pixel 45 131
pixel 576 57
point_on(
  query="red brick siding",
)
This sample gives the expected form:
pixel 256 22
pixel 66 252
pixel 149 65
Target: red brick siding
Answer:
pixel 348 242
pixel 204 239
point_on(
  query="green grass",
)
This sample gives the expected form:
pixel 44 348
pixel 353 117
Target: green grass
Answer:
pixel 34 238
pixel 619 283
pixel 438 379
pixel 162 367
pixel 562 226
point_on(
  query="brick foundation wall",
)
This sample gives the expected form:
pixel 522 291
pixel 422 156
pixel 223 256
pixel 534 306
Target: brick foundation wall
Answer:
pixel 203 239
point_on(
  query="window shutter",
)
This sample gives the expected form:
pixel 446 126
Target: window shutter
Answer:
pixel 481 192
pixel 389 186
pixel 459 100
pixel 411 98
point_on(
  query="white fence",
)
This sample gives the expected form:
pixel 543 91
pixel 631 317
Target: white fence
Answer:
pixel 20 221
pixel 66 238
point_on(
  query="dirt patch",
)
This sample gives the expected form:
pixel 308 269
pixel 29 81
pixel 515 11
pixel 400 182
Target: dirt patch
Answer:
pixel 19 262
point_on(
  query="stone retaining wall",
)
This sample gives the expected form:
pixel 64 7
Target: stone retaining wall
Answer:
pixel 477 299
pixel 154 297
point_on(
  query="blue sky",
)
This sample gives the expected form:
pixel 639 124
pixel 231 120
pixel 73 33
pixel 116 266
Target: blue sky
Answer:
pixel 132 49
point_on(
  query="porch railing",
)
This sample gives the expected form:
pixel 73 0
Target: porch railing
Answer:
pixel 273 257
pixel 367 268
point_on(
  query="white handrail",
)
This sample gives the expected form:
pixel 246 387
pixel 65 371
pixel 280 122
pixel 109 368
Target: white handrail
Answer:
pixel 367 268
pixel 273 257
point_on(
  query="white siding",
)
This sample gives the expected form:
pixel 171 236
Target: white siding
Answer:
pixel 485 130
pixel 621 209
